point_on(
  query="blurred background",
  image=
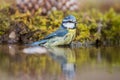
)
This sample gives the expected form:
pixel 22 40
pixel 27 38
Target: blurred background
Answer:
pixel 48 5
pixel 97 19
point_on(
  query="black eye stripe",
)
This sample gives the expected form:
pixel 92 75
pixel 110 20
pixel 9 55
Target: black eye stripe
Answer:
pixel 68 22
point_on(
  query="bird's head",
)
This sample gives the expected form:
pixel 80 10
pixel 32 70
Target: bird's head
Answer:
pixel 69 22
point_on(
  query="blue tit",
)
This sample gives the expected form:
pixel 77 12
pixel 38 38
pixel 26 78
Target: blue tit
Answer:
pixel 63 36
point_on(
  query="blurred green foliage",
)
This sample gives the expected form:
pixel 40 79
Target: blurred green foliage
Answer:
pixel 4 20
pixel 87 23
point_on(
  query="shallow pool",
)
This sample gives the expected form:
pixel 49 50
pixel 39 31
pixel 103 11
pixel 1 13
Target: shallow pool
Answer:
pixel 18 62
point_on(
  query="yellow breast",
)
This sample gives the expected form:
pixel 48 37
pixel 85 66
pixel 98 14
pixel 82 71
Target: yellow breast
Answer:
pixel 70 36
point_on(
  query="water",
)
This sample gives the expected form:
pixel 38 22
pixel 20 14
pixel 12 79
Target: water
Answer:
pixel 54 63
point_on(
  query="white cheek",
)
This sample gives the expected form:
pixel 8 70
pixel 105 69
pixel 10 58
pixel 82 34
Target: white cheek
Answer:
pixel 69 25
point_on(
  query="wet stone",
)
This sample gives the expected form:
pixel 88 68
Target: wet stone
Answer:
pixel 12 35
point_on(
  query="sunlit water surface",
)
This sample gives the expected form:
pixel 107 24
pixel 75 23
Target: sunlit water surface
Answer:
pixel 55 63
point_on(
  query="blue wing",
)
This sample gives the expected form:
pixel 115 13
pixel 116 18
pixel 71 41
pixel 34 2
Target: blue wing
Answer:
pixel 37 43
pixel 59 33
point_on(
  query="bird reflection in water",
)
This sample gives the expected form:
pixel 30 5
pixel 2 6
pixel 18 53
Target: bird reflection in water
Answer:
pixel 64 56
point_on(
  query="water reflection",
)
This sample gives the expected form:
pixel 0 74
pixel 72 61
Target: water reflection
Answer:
pixel 55 63
pixel 64 56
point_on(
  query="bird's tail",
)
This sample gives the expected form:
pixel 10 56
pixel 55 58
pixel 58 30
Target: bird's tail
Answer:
pixel 37 43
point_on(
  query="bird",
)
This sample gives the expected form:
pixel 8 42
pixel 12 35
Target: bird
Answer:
pixel 64 35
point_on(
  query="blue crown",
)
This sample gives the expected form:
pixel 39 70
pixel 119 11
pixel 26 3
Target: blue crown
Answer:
pixel 69 18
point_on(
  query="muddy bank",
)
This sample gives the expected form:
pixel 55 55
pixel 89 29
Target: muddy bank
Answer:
pixel 18 33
